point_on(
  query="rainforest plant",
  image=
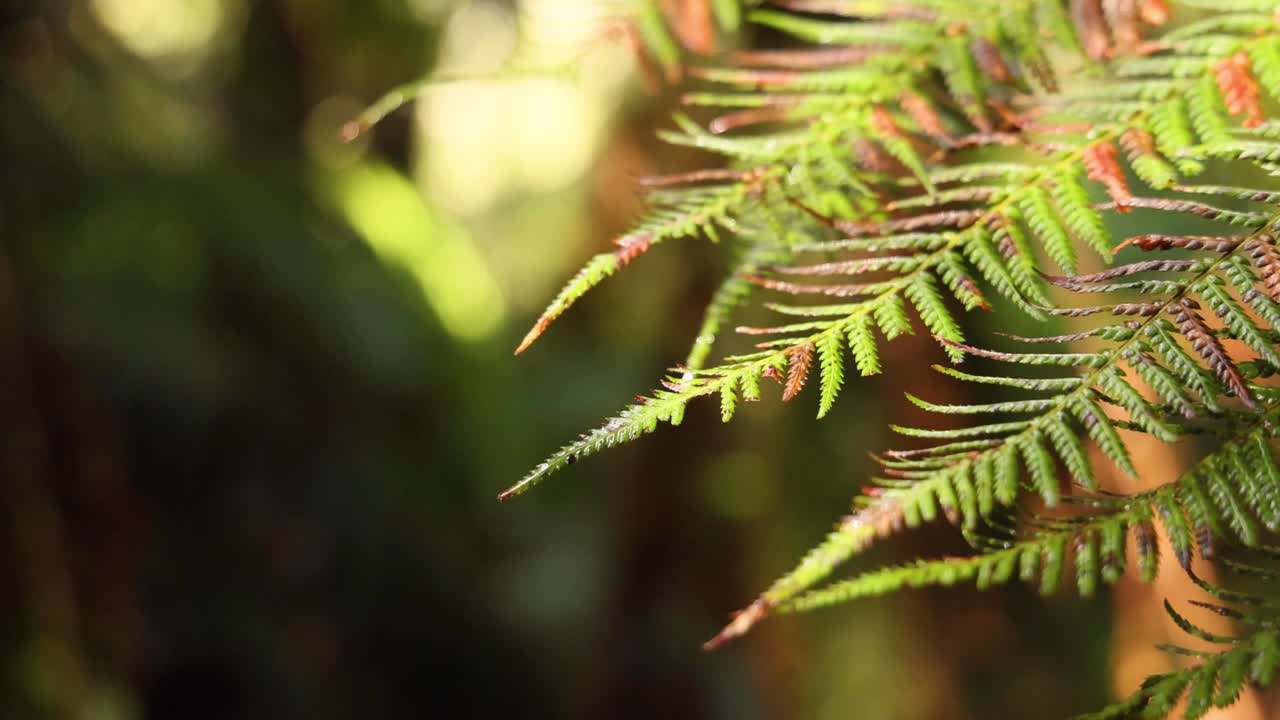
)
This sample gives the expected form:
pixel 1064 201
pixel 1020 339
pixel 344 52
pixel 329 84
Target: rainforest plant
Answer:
pixel 901 163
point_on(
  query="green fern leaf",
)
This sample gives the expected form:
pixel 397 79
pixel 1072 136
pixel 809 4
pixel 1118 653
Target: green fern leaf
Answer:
pixel 923 293
pixel 1040 467
pixel 891 316
pixel 863 345
pixel 1081 219
pixel 1072 452
pixel 831 370
pixel 728 401
pixel 1048 229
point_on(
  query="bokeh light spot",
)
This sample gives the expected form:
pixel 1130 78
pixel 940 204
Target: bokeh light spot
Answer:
pixel 163 29
pixel 387 210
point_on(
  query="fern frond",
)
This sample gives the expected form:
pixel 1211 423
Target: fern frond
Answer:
pixel 680 214
pixel 1216 681
pixel 908 52
pixel 634 421
pixel 860 173
pixel 1096 541
pixel 1076 412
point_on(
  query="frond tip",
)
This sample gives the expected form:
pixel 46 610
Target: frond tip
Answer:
pixel 631 423
pixel 593 273
pixel 741 624
pixel 677 213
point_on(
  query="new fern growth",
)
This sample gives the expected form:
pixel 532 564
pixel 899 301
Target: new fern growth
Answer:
pixel 905 162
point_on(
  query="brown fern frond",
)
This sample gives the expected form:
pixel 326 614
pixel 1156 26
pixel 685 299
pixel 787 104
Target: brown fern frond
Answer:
pixel 990 61
pixel 1190 207
pixel 1091 24
pixel 1118 309
pixel 845 267
pixel 798 371
pixel 1266 257
pixel 1156 241
pixel 698 176
pixel 941 220
pixel 882 122
pixel 1239 89
pixel 746 118
pixel 631 246
pixel 1101 163
pixel 872 158
pixel 852 290
pixel 693 24
pixel 1155 12
pixel 1207 345
pixel 1125 20
pixel 1124 271
pixel 944 220
pixel 922 112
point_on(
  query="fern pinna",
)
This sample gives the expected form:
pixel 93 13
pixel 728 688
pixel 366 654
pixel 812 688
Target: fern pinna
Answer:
pixel 1215 678
pixel 904 160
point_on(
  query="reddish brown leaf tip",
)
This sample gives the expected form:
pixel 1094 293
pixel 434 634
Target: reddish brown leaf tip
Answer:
pixel 1240 91
pixel 741 624
pixel 798 372
pixel 1102 165
pixel 921 111
pixel 989 60
pixel 534 333
pixel 945 341
pixel 352 130
pixel 1091 25
pixel 1155 12
pixel 744 118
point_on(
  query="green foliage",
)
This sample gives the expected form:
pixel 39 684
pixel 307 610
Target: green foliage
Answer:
pixel 1219 677
pixel 937 156
pixel 680 215
pixel 1223 498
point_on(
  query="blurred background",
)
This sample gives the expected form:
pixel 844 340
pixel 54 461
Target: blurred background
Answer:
pixel 258 398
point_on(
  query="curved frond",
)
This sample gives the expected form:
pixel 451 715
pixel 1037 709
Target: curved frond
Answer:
pixel 987 235
pixel 678 214
pixel 1191 511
